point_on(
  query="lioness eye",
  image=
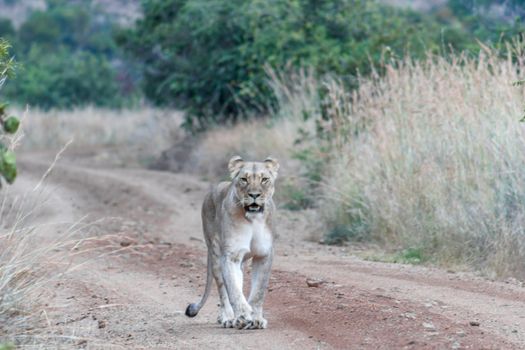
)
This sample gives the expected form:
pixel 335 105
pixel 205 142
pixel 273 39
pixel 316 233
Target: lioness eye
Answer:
pixel 243 179
pixel 265 179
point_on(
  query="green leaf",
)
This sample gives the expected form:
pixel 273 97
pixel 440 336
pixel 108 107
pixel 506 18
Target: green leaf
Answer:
pixel 11 125
pixel 8 167
pixel 3 107
pixel 9 158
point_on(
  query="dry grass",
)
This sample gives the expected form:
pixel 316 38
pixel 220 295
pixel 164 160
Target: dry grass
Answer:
pixel 435 161
pixel 28 262
pixel 134 135
pixel 253 140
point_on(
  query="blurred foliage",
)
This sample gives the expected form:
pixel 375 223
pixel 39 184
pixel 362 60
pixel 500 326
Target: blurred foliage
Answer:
pixel 208 57
pixel 6 61
pixel 66 79
pixel 493 21
pixel 9 124
pixel 69 58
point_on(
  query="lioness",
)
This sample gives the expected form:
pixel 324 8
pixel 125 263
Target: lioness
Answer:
pixel 237 219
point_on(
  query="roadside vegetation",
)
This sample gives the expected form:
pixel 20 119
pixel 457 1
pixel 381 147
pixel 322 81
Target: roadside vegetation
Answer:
pixel 27 264
pixel 429 159
pixel 400 128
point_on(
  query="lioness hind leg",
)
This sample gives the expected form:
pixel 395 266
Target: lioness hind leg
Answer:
pixel 226 316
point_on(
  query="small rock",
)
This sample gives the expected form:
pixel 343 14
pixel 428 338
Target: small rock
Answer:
pixel 429 326
pixel 409 315
pixel 460 333
pixel 456 345
pixel 312 282
pixel 186 264
pixel 102 324
pixel 474 323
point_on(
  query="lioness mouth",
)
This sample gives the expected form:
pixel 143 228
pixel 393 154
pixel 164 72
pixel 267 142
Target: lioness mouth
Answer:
pixel 254 208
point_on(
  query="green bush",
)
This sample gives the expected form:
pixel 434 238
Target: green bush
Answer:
pixel 7 31
pixel 209 57
pixel 69 58
pixel 64 80
pixel 74 25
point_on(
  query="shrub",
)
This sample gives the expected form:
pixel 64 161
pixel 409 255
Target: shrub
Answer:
pixel 209 57
pixel 72 24
pixel 438 163
pixel 70 58
pixel 64 80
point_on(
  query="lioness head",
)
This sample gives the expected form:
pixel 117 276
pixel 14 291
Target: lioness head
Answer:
pixel 254 182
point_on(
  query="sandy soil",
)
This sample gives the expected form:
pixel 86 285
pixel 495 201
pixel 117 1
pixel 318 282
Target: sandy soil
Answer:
pixel 135 297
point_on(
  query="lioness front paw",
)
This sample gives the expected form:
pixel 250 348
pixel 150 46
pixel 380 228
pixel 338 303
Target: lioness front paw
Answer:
pixel 225 321
pixel 259 323
pixel 242 322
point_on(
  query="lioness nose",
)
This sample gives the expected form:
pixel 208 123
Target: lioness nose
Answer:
pixel 254 195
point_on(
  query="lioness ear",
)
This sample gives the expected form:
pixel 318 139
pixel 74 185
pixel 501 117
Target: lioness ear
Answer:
pixel 235 165
pixel 272 165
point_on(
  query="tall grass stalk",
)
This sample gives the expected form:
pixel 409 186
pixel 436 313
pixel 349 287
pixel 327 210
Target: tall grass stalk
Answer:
pixel 429 156
pixel 33 255
pixel 433 158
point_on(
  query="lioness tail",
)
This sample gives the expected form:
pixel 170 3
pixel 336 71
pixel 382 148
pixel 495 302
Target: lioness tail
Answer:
pixel 193 309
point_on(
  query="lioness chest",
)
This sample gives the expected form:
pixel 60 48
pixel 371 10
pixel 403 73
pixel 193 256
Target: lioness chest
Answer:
pixel 255 238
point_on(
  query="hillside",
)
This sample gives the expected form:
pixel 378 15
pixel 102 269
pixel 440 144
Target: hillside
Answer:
pixel 125 11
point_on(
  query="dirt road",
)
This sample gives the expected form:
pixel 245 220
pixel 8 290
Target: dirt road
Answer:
pixel 135 298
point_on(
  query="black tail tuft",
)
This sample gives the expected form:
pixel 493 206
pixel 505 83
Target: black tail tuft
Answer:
pixel 191 310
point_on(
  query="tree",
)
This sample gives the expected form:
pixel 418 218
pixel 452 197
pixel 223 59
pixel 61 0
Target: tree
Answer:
pixel 70 58
pixel 208 57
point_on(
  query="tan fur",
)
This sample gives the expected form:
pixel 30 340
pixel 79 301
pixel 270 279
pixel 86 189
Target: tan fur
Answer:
pixel 237 220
